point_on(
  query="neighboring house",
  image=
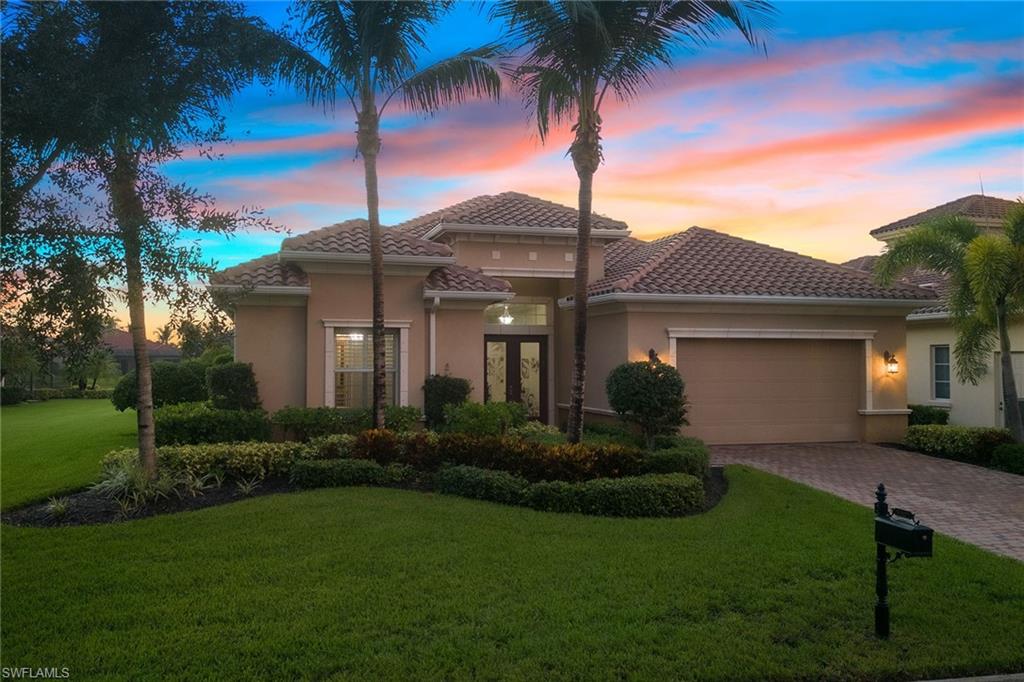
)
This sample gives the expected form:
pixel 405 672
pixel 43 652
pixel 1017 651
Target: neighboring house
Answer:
pixel 773 346
pixel 931 377
pixel 120 344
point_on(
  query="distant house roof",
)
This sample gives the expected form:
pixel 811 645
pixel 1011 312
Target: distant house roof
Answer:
pixel 353 237
pixel 120 343
pixel 984 209
pixel 921 277
pixel 463 279
pixel 508 209
pixel 702 262
pixel 265 271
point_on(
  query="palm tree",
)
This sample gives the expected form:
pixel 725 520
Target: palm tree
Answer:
pixel 165 333
pixel 986 291
pixel 577 52
pixel 368 52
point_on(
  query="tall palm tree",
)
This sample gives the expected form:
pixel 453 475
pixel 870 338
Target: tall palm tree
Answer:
pixel 367 52
pixel 165 333
pixel 575 52
pixel 986 291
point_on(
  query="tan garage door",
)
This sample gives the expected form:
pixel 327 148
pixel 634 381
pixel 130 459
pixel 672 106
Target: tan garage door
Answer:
pixel 772 390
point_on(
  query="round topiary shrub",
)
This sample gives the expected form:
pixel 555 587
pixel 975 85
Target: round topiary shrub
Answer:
pixel 649 394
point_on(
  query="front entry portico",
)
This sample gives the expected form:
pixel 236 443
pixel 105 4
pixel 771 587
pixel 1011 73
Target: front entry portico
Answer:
pixel 516 370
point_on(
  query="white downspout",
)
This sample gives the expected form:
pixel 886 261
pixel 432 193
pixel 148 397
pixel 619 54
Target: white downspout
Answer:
pixel 433 334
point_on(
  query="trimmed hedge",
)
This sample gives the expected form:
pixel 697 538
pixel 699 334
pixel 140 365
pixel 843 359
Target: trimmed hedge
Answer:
pixel 232 386
pixel 481 484
pixel 325 473
pixel 440 390
pixel 335 446
pixel 69 393
pixel 484 419
pixel 191 423
pixel 230 460
pixel 684 460
pixel 306 423
pixel 12 395
pixel 173 383
pixel 650 495
pixel 1009 457
pixel 970 444
pixel 927 414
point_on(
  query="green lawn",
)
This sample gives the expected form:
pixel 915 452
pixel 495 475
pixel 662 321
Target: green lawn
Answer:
pixel 55 446
pixel 776 582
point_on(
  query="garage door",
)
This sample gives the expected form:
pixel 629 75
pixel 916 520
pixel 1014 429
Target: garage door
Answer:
pixel 772 390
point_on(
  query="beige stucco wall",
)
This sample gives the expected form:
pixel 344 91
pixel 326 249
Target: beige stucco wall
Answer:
pixel 273 339
pixel 348 297
pixel 460 346
pixel 969 405
pixel 515 255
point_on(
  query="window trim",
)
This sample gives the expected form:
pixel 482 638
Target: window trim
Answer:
pixel 932 382
pixel 330 354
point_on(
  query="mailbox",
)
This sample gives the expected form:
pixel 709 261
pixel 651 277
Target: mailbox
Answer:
pixel 904 535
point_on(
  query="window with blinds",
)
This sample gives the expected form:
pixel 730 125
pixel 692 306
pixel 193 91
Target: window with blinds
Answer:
pixel 353 369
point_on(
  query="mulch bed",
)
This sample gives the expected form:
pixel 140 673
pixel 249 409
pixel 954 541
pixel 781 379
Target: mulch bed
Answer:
pixel 87 508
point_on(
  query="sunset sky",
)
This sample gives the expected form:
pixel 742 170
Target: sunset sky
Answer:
pixel 860 114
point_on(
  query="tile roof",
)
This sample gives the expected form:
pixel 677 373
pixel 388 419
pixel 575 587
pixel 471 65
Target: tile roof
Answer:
pixel 509 209
pixel 704 262
pixel 265 271
pixel 974 206
pixel 120 342
pixel 921 277
pixel 459 278
pixel 353 236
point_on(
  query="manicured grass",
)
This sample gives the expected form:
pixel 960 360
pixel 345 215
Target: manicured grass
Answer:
pixel 774 583
pixel 53 446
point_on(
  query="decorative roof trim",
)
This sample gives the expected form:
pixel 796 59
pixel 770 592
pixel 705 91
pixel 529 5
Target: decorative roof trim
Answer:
pixel 727 298
pixel 365 324
pixel 263 289
pixel 469 295
pixel 443 227
pixel 394 259
pixel 558 273
pixel 914 317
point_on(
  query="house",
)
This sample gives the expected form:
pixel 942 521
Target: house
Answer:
pixel 120 344
pixel 774 346
pixel 931 378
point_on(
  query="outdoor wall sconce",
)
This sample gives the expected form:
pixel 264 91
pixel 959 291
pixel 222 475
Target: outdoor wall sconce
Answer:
pixel 892 365
pixel 506 317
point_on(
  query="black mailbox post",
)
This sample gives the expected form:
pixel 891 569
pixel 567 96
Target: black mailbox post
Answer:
pixel 900 530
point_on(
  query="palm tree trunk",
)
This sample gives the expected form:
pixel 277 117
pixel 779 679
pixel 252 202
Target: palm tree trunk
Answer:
pixel 1011 406
pixel 129 214
pixel 368 137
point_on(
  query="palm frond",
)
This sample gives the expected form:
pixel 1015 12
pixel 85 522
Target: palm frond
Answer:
pixel 928 247
pixel 972 352
pixel 550 94
pixel 990 261
pixel 469 74
pixel 1014 224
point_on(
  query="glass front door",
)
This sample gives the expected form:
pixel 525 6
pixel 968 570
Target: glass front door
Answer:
pixel 516 371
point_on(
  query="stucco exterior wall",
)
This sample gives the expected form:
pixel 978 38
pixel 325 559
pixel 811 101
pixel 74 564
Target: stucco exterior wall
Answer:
pixel 460 346
pixel 273 339
pixel 348 297
pixel 969 405
pixel 525 254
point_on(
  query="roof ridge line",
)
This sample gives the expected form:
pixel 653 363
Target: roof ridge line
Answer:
pixel 648 266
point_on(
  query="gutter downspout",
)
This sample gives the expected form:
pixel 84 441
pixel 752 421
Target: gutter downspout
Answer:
pixel 433 334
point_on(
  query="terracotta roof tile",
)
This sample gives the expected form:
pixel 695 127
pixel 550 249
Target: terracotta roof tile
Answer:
pixel 265 271
pixel 459 278
pixel 974 206
pixel 353 236
pixel 511 209
pixel 921 277
pixel 704 262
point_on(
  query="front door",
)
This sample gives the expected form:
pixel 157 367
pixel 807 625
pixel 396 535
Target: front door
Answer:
pixel 516 370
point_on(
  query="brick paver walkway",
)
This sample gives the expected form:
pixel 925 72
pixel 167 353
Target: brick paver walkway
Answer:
pixel 976 505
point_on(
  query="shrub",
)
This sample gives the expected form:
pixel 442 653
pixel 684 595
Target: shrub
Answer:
pixel 1009 457
pixel 964 443
pixel 440 390
pixel 651 495
pixel 537 432
pixel 683 460
pixel 173 383
pixel 484 419
pixel 669 441
pixel 232 386
pixel 199 423
pixel 420 450
pixel 98 393
pixel 12 395
pixel 649 394
pixel 334 446
pixel 322 473
pixel 380 445
pixel 927 414
pixel 224 460
pixel 216 355
pixel 71 392
pixel 305 423
pixel 481 484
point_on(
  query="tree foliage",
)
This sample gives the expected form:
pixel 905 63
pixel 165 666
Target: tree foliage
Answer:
pixel 648 393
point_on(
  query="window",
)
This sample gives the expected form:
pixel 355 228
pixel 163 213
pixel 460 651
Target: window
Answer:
pixel 940 372
pixel 353 367
pixel 528 314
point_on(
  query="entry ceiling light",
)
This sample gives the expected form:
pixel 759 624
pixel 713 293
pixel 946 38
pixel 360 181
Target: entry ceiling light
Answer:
pixel 506 317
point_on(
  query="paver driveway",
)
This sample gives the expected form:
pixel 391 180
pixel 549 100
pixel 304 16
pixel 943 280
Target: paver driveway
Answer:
pixel 977 505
